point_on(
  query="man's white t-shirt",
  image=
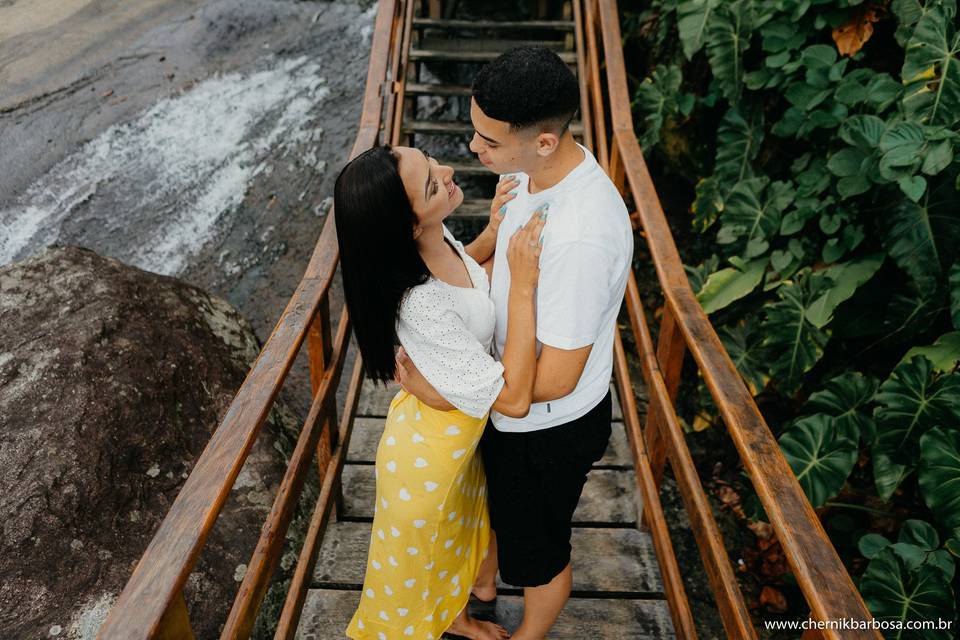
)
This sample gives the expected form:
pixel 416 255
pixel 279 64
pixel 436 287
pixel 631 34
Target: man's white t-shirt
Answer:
pixel 584 266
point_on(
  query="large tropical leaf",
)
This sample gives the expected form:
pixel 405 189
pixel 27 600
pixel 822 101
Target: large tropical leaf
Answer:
pixel 846 277
pixel 895 593
pixel 728 285
pixel 738 140
pixel 931 68
pixel 692 19
pixel 887 474
pixel 820 456
pixel 939 473
pixel 944 353
pixel 913 400
pixel 728 36
pixel 796 344
pixel 744 344
pixel 845 397
pixel 752 214
pixel 920 236
pixel 659 96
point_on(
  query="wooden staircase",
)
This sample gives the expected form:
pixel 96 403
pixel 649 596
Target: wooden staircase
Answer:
pixel 627 581
pixel 617 590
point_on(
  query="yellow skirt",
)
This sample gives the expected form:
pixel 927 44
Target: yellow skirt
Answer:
pixel 430 527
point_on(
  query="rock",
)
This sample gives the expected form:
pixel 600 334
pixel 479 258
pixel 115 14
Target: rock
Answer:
pixel 112 380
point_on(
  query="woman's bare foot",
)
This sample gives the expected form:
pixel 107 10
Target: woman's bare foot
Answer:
pixel 485 592
pixel 475 629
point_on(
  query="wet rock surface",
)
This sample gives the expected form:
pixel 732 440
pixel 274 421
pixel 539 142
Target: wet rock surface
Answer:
pixel 194 138
pixel 111 381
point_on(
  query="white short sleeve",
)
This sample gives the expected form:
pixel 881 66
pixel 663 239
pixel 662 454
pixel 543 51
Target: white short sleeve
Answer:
pixel 572 294
pixel 448 355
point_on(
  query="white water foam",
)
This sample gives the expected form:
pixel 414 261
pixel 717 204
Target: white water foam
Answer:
pixel 175 171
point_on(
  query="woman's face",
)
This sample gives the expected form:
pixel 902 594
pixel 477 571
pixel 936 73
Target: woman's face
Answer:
pixel 429 185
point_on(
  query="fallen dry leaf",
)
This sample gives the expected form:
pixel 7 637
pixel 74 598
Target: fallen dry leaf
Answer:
pixel 773 600
pixel 851 37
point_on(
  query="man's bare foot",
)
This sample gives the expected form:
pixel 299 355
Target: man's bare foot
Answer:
pixel 485 593
pixel 475 629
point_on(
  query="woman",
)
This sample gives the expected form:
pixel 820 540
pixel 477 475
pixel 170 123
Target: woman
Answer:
pixel 407 279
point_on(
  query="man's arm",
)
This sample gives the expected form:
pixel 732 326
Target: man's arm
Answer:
pixel 413 382
pixel 558 371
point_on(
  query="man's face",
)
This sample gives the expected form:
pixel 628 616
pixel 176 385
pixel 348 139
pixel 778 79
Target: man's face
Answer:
pixel 497 147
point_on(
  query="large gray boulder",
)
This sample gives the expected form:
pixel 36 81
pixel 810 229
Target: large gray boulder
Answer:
pixel 111 381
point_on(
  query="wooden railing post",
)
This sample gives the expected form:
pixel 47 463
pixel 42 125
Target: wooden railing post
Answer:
pixel 670 352
pixel 320 349
pixel 175 624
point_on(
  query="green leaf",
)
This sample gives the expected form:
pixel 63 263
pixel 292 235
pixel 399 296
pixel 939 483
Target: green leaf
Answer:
pixel 919 235
pixel 692 19
pixel 846 397
pixel 931 68
pixel 938 157
pixel 725 286
pixel 744 344
pixel 796 344
pixel 728 36
pixel 853 186
pixel 913 186
pixel 656 97
pixel 919 533
pixel 944 353
pixel 942 559
pixel 846 278
pixel 872 544
pixel 912 401
pixel 820 457
pixel 863 131
pixel 847 162
pixel 894 593
pixel 753 212
pixel 939 474
pixel 887 474
pixel 738 141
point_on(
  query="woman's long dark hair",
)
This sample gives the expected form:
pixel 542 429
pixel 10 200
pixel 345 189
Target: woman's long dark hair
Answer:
pixel 379 260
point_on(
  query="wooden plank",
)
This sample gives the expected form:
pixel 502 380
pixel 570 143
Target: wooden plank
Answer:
pixel 555 25
pixel 484 45
pixel 627 564
pixel 436 89
pixel 432 55
pixel 608 496
pixel 458 128
pixel 367 432
pixel 328 611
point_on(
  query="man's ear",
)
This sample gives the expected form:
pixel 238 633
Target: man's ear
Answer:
pixel 547 143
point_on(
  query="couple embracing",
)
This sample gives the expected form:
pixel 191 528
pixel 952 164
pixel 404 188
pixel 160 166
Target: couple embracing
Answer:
pixel 506 353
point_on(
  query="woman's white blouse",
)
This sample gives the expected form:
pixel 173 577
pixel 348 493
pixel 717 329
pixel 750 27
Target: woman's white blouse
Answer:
pixel 447 332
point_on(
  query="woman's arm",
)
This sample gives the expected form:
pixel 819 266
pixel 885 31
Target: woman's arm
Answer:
pixel 520 353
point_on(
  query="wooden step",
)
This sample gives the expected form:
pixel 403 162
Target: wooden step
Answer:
pixel 375 399
pixel 485 45
pixel 434 55
pixel 609 496
pixel 327 612
pixel 435 89
pixel 459 128
pixel 628 564
pixel 503 25
pixel 367 432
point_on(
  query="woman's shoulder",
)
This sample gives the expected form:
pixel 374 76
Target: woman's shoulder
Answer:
pixel 428 299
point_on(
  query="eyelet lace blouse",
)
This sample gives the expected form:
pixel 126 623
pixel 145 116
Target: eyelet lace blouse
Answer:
pixel 447 332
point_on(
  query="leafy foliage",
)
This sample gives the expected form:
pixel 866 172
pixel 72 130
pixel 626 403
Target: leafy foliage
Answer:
pixel 828 190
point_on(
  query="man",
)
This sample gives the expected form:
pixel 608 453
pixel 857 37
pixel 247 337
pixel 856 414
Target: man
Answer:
pixel 522 106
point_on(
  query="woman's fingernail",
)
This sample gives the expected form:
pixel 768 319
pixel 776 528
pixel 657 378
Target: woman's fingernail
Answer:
pixel 503 210
pixel 512 193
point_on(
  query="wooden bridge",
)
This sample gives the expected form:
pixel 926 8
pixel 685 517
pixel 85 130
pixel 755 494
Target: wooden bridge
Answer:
pixel 627 583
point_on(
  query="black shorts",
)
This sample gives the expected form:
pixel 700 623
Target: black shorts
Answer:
pixel 534 484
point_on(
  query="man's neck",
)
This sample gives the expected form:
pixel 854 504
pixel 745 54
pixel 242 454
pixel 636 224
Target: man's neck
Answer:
pixel 557 165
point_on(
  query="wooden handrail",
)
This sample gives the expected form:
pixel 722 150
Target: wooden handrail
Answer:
pixel 158 579
pixel 821 575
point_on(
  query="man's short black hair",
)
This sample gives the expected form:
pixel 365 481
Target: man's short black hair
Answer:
pixel 528 86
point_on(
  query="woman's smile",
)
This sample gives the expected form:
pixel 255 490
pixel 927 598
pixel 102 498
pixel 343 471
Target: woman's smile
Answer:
pixel 451 189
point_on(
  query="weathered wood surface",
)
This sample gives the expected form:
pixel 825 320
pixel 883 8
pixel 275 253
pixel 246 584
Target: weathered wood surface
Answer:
pixel 328 611
pixel 608 496
pixel 627 563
